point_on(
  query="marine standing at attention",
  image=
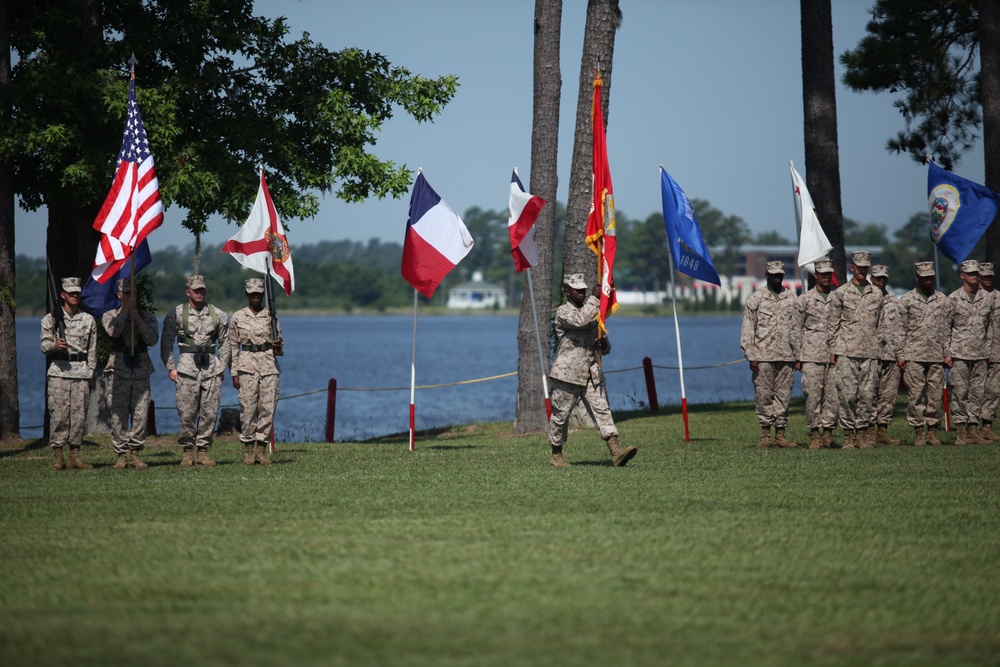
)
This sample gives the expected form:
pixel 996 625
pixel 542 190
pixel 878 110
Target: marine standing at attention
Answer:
pixel 255 371
pixel 887 369
pixel 969 345
pixel 818 383
pixel 197 327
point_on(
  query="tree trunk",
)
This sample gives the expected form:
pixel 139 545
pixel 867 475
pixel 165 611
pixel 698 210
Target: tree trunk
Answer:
pixel 530 415
pixel 603 19
pixel 989 72
pixel 10 411
pixel 71 240
pixel 819 102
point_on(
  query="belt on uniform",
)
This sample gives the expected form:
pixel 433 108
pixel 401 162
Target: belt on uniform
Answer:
pixel 263 347
pixel 71 356
pixel 196 349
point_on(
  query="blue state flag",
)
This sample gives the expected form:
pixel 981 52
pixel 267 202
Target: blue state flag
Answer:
pixel 683 233
pixel 961 210
pixel 97 298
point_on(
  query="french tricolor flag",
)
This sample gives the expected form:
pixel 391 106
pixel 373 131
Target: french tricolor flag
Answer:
pixel 436 239
pixel 522 211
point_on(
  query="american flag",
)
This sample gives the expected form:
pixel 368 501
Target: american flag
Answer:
pixel 133 208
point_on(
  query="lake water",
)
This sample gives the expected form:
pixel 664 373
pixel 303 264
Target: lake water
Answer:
pixel 374 352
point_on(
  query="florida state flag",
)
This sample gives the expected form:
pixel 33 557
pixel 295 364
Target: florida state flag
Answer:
pixel 601 221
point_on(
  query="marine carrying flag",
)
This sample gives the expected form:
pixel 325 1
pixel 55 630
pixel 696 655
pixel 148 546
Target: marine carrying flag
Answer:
pixel 683 233
pixel 436 239
pixel 961 210
pixel 813 243
pixel 98 298
pixel 522 211
pixel 132 208
pixel 601 231
pixel 261 244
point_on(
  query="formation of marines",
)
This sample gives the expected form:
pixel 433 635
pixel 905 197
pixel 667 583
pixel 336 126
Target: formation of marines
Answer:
pixel 853 344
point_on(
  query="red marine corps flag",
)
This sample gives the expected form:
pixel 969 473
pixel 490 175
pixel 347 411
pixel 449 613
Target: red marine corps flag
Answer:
pixel 261 244
pixel 601 221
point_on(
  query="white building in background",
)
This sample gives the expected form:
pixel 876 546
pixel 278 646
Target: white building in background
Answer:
pixel 477 294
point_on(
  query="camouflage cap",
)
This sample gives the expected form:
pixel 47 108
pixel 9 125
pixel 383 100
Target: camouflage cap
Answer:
pixel 196 282
pixel 775 267
pixel 925 268
pixel 880 270
pixel 824 266
pixel 254 285
pixel 70 285
pixel 970 266
pixel 575 280
pixel 986 269
pixel 861 258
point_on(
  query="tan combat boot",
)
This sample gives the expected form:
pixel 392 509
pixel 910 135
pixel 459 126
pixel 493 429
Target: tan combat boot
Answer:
pixel 135 462
pixel 882 436
pixel 781 441
pixel 75 462
pixel 248 458
pixel 960 439
pixel 933 438
pixel 827 440
pixel 765 437
pixel 202 458
pixel 557 459
pixel 620 455
pixel 58 462
pixel 122 462
pixel 188 459
pixel 865 438
pixel 259 455
pixel 972 435
pixel 921 438
pixel 850 439
pixel 815 440
pixel 986 432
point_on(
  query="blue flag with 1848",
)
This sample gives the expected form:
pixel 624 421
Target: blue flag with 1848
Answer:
pixel 683 234
pixel 961 210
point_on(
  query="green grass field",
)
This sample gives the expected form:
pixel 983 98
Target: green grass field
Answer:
pixel 473 551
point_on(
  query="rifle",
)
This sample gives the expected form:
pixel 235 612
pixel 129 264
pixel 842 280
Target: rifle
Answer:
pixel 269 295
pixel 55 308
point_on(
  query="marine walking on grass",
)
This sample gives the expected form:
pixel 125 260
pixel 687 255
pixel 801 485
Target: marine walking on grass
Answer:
pixel 887 368
pixel 769 337
pixel 132 333
pixel 255 371
pixel 576 373
pixel 69 339
pixel 991 392
pixel 201 333
pixel 969 343
pixel 818 383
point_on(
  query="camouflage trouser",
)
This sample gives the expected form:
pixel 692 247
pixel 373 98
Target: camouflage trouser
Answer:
pixel 967 379
pixel 258 396
pixel 991 395
pixel 820 389
pixel 198 409
pixel 128 397
pixel 886 391
pixel 564 398
pixel 772 383
pixel 924 386
pixel 67 410
pixel 855 391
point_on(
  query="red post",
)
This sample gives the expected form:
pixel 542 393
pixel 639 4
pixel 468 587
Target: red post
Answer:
pixel 647 367
pixel 331 408
pixel 151 419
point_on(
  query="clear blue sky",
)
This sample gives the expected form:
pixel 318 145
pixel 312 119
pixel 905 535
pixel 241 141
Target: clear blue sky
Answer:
pixel 712 90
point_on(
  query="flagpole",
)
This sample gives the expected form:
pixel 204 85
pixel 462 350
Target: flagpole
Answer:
pixel 413 377
pixel 538 341
pixel 680 357
pixel 798 235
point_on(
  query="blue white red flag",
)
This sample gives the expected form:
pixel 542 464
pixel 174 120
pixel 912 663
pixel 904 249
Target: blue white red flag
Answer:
pixel 961 210
pixel 98 298
pixel 522 211
pixel 436 239
pixel 261 244
pixel 132 208
pixel 683 233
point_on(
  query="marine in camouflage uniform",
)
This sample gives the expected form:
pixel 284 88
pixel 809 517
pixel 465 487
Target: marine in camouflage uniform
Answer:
pixel 818 383
pixel 969 345
pixel 576 374
pixel 855 308
pixel 991 394
pixel 72 363
pixel 197 327
pixel 888 370
pixel 769 337
pixel 923 323
pixel 254 370
pixel 132 332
